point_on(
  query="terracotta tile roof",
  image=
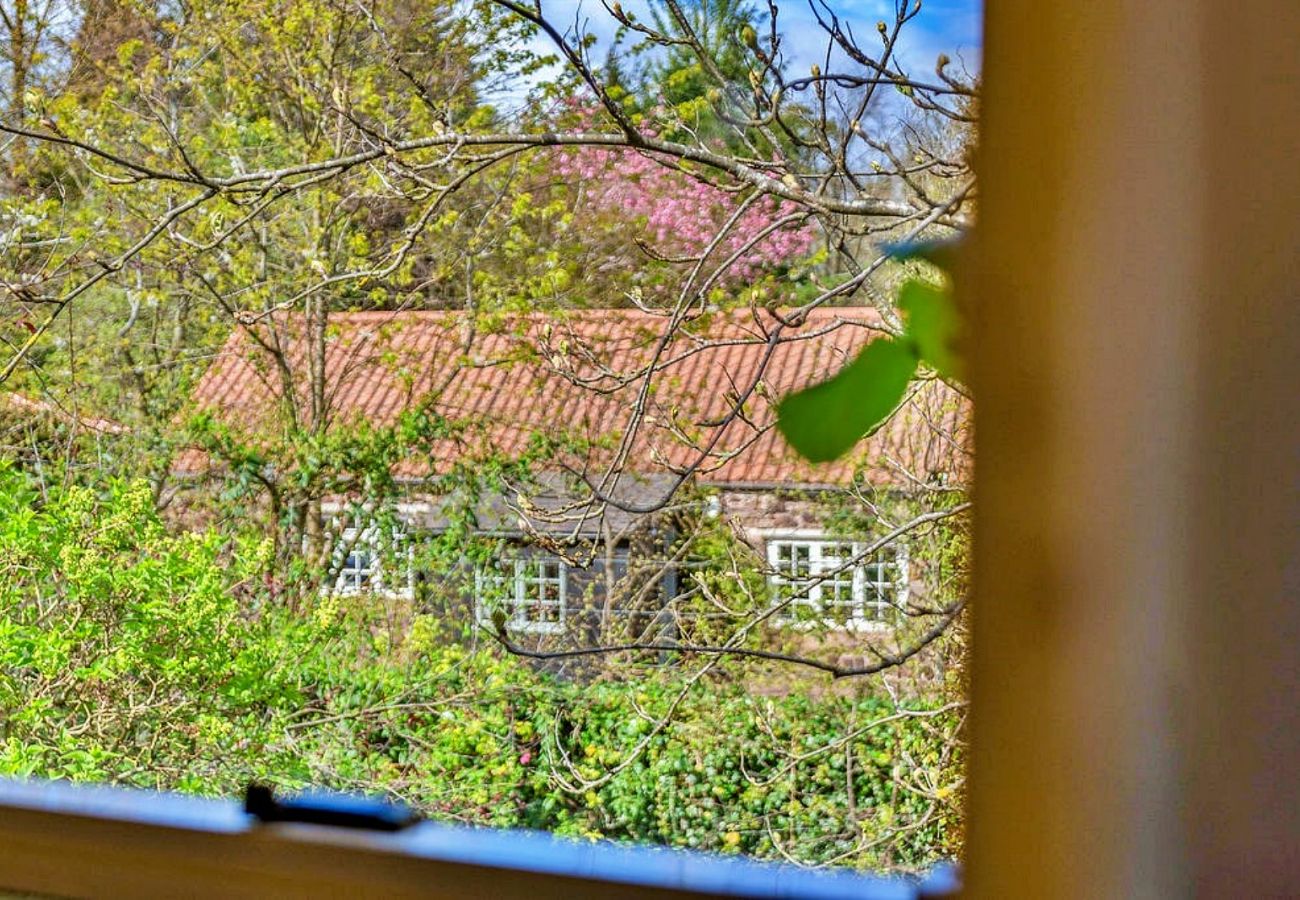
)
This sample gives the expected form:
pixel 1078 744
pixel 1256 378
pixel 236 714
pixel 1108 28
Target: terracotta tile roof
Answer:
pixel 573 376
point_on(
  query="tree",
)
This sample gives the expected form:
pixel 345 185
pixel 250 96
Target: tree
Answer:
pixel 263 168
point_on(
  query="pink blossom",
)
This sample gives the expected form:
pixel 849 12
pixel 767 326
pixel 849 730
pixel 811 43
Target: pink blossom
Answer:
pixel 681 214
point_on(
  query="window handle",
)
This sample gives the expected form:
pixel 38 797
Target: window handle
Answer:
pixel 328 808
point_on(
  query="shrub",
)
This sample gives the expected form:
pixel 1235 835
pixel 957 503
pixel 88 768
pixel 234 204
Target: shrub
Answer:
pixel 134 655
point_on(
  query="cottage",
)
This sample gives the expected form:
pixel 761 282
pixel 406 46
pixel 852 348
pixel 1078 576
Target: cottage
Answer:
pixel 611 439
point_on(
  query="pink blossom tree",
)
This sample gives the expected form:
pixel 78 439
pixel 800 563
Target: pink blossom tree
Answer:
pixel 681 216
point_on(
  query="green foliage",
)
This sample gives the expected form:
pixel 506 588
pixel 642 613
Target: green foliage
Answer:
pixel 119 643
pixel 933 325
pixel 824 421
pixel 133 655
pixel 199 661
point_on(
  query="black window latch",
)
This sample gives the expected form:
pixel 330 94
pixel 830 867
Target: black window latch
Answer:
pixel 325 808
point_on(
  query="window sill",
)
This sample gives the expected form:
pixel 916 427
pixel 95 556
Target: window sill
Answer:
pixel 380 593
pixel 853 627
pixel 62 839
pixel 515 628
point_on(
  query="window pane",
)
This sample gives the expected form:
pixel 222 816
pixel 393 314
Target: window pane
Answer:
pixel 534 594
pixel 802 561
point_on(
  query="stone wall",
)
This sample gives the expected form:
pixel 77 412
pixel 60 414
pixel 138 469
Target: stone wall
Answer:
pixel 765 509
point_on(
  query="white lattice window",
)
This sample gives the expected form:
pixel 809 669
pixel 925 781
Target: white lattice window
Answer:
pixel 357 571
pixel 825 581
pixel 884 588
pixel 533 593
pixel 366 562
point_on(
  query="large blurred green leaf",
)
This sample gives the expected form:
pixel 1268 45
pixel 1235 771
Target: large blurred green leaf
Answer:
pixel 825 421
pixel 933 323
pixel 822 422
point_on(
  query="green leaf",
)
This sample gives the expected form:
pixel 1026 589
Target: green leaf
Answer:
pixel 933 323
pixel 824 421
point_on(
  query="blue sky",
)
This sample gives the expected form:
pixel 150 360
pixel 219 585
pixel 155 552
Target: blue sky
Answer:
pixel 943 26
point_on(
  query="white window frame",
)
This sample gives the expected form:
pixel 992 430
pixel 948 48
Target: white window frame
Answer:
pixel 514 572
pixel 365 542
pixel 869 611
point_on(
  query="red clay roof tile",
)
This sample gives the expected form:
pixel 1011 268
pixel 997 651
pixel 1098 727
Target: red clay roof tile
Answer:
pixel 571 374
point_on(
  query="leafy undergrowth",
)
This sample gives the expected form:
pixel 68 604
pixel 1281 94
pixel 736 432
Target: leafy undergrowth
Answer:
pixel 134 655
